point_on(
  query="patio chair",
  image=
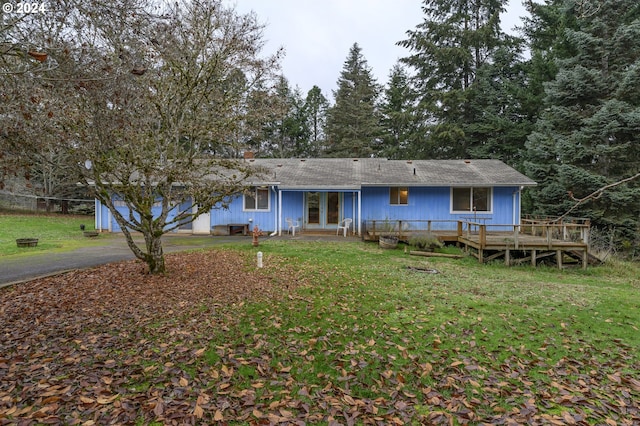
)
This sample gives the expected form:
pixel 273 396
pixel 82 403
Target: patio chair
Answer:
pixel 344 225
pixel 291 226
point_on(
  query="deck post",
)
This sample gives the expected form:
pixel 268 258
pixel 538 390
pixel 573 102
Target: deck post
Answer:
pixel 459 228
pixel 533 257
pixel 507 257
pixel 559 258
pixel 585 258
pixel 483 236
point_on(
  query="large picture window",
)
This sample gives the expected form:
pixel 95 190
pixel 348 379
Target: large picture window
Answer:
pixel 256 199
pixel 399 195
pixel 471 199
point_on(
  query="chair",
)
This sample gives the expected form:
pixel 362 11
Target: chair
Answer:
pixel 344 225
pixel 291 226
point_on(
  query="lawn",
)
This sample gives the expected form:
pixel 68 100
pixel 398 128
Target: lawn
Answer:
pixel 54 232
pixel 325 333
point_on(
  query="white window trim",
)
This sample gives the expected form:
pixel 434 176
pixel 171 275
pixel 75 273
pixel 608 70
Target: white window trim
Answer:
pixel 398 205
pixel 255 193
pixel 452 211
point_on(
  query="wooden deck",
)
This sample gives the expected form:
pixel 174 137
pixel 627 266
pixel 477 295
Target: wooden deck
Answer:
pixel 534 241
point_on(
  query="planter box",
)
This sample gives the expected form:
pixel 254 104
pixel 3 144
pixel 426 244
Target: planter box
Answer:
pixel 27 242
pixel 90 234
pixel 388 242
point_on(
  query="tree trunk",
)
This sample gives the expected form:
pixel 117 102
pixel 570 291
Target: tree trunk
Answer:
pixel 154 256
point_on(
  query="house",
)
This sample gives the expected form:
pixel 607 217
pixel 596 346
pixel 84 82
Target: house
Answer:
pixel 321 192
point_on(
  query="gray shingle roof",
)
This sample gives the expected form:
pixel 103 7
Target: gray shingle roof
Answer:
pixel 354 173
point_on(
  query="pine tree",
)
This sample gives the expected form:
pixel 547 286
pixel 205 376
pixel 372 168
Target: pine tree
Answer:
pixel 587 135
pixel 352 124
pixel 397 119
pixel 449 48
pixel 315 110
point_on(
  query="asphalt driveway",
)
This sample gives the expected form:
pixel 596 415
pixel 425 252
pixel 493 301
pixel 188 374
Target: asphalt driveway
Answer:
pixel 14 269
pixel 22 268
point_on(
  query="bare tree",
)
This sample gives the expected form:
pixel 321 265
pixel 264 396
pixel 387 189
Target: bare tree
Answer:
pixel 151 92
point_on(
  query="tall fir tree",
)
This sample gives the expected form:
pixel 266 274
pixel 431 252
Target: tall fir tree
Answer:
pixel 284 131
pixel 315 110
pixel 587 136
pixel 352 123
pixel 397 116
pixel 456 39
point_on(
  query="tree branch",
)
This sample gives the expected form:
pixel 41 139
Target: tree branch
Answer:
pixel 594 195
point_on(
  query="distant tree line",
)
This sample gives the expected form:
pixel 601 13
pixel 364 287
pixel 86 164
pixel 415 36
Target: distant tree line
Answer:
pixel 559 102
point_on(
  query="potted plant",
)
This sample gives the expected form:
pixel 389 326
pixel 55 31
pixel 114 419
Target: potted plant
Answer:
pixel 388 238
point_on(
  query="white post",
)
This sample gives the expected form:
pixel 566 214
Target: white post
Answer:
pixel 279 212
pixel 259 259
pixel 359 212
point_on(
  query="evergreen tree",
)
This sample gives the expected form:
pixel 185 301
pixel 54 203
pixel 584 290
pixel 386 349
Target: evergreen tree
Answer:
pixel 315 111
pixel 449 48
pixel 352 123
pixel 397 119
pixel 587 135
pixel 283 132
pixel 498 103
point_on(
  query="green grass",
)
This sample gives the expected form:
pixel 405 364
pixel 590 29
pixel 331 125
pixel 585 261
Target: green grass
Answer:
pixel 365 320
pixel 54 232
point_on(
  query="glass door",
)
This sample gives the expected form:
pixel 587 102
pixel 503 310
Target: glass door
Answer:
pixel 333 208
pixel 322 209
pixel 313 208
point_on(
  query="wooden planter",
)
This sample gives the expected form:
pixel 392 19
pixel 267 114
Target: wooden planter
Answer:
pixel 27 242
pixel 388 242
pixel 90 234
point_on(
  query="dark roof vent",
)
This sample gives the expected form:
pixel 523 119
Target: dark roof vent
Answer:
pixel 467 161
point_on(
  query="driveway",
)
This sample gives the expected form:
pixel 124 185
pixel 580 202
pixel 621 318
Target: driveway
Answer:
pixel 14 269
pixel 22 268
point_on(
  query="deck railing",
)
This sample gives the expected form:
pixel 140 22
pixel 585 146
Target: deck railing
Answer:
pixel 571 229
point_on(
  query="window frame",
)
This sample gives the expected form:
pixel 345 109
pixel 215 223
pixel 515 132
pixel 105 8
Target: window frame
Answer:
pixel 471 190
pixel 398 196
pixel 254 193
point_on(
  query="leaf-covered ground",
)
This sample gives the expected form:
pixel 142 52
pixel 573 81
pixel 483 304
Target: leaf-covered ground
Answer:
pixel 112 345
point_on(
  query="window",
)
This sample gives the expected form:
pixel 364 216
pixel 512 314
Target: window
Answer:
pixel 471 199
pixel 399 195
pixel 256 199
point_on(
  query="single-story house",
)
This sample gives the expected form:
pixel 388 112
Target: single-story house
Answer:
pixel 319 193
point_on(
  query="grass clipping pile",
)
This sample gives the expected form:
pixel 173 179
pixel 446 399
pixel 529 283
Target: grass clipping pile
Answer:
pixel 113 344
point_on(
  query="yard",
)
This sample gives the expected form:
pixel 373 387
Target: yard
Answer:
pixel 325 333
pixel 55 232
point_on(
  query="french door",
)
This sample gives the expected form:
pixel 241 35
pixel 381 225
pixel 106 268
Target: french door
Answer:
pixel 322 209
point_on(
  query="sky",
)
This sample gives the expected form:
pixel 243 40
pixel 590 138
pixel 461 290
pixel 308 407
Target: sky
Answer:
pixel 317 35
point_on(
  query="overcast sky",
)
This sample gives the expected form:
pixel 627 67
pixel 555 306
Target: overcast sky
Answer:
pixel 317 34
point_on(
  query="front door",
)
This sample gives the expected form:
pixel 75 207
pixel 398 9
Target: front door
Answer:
pixel 322 210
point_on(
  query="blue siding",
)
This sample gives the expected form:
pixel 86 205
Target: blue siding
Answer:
pixel 434 203
pixel 264 219
pixel 424 203
pixel 292 206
